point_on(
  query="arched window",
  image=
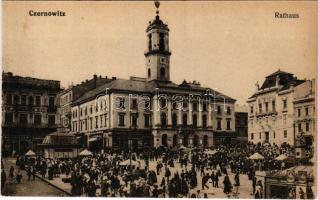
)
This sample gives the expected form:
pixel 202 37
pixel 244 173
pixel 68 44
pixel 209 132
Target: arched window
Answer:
pixel 184 119
pixel 149 73
pixel 162 72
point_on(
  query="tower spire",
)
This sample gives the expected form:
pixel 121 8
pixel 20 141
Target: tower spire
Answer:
pixel 157 4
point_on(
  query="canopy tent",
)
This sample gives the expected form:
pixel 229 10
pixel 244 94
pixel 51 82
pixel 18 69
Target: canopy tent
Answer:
pixel 210 152
pixel 30 153
pixel 183 148
pixel 127 162
pixel 85 153
pixel 256 156
pixel 281 157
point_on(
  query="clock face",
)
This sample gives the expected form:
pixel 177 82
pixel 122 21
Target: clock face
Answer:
pixel 163 60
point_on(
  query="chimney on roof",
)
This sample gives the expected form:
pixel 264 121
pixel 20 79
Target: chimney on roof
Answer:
pixel 10 74
pixel 106 77
pixel 277 81
pixel 95 76
pixel 86 80
pixel 114 78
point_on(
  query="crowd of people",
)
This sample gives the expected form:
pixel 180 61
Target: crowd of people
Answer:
pixel 174 172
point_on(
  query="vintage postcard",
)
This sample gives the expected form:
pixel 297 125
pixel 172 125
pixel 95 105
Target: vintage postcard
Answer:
pixel 159 99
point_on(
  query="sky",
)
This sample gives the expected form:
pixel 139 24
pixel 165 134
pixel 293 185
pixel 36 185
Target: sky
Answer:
pixel 228 46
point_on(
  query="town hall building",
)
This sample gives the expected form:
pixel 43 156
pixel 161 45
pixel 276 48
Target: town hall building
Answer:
pixel 153 110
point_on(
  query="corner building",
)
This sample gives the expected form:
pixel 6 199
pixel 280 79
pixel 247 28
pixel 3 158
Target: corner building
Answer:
pixel 275 107
pixel 153 111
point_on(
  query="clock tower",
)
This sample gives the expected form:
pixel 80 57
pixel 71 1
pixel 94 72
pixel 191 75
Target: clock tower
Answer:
pixel 157 53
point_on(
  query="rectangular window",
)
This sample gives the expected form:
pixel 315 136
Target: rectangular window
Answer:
pixel 101 120
pixel 37 119
pixel 194 106
pixel 134 104
pixel 147 105
pixel 219 124
pixel 204 107
pixel 38 100
pixel 147 121
pixel 252 136
pixel 91 122
pixel 96 121
pixel 51 120
pixel 120 102
pixel 252 109
pixel 16 99
pixel 23 120
pixel 299 112
pixel 260 136
pixel 134 120
pixel 307 111
pixel 51 102
pixel 307 126
pixel 260 108
pixel 228 124
pixel 266 106
pixel 274 106
pixel 121 121
pixel 8 118
pixel 105 119
pixel 228 110
pixel 285 133
pixel 219 111
pixel 285 103
pixel 299 127
pixel 274 134
pixel 9 99
pixel 23 100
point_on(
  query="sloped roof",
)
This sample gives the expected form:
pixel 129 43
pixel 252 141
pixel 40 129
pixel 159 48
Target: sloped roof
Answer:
pixel 144 86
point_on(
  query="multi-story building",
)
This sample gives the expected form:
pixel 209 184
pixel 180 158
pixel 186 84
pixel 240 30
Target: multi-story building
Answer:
pixel 153 111
pixel 69 95
pixel 241 123
pixel 271 109
pixel 305 118
pixel 28 111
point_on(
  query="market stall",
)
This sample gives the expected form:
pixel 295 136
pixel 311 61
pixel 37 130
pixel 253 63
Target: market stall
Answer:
pixel 293 183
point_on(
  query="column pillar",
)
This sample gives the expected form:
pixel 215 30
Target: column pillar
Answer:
pixel 179 116
pixel 155 112
pixel 169 112
pixel 190 119
pixel 200 114
pixel 209 116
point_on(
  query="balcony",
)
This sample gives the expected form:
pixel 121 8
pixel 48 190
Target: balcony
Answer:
pixel 264 114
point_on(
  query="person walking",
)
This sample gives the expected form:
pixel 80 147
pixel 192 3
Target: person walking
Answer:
pixel 237 179
pixel 227 185
pixel 254 181
pixel 18 176
pixel 213 179
pixel 3 178
pixel 205 179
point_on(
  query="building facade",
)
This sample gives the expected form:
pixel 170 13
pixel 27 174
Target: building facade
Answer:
pixel 153 111
pixel 241 123
pixel 271 117
pixel 305 119
pixel 68 96
pixel 29 109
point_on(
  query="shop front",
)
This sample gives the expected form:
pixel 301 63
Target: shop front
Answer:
pixel 293 183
